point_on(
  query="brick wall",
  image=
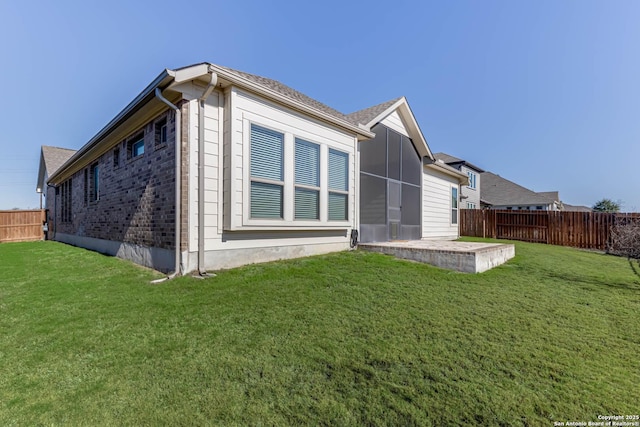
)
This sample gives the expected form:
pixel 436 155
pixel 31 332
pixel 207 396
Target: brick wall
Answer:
pixel 136 194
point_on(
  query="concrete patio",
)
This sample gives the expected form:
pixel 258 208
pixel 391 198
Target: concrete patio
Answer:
pixel 467 257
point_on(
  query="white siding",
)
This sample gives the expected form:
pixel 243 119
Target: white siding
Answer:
pixel 436 205
pixel 234 240
pixel 393 121
pixel 472 194
pixel 212 164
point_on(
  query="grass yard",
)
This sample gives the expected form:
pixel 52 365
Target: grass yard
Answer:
pixel 344 339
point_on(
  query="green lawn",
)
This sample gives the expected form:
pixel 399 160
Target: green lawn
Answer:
pixel 345 339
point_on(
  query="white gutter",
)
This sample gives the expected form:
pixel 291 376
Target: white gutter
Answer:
pixel 201 159
pixel 178 156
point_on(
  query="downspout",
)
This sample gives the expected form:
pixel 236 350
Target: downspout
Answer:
pixel 178 163
pixel 201 159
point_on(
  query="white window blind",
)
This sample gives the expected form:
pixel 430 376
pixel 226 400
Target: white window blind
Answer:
pixel 338 185
pixel 307 180
pixel 267 173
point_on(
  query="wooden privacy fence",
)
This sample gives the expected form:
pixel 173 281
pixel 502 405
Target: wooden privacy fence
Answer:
pixel 589 230
pixel 20 226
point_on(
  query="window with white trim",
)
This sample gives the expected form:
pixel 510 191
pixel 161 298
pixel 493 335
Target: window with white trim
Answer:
pixel 307 180
pixel 338 185
pixel 267 173
pixel 294 178
pixel 454 205
pixel 471 205
pixel 472 180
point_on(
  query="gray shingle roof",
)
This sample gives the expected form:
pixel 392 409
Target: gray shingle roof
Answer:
pixel 576 208
pixel 497 191
pixel 553 196
pixel 289 92
pixel 451 160
pixel 366 115
pixel 54 157
pixel 447 158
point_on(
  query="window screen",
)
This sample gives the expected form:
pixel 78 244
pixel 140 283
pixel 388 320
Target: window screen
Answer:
pixel 373 153
pixel 410 205
pixel 411 163
pixel 393 152
pixel 373 200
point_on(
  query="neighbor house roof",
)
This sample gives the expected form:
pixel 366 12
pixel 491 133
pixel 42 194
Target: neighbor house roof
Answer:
pixel 51 159
pixel 498 191
pixel 553 196
pixel 451 160
pixel 54 157
pixel 576 208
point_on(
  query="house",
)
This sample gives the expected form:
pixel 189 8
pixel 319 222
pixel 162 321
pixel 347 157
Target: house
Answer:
pixel 470 193
pixel 211 168
pixel 51 158
pixel 576 208
pixel 500 193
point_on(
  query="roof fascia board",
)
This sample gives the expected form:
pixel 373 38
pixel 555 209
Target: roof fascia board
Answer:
pixel 131 108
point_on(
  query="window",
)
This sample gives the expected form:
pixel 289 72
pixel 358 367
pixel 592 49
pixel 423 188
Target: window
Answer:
pixel 471 205
pixel 292 180
pixel 95 180
pixel 136 145
pixel 338 185
pixel 307 180
pixel 137 149
pixel 472 180
pixel 161 131
pixel 116 157
pixel 267 173
pixel 454 205
pixel 66 201
pixel 86 186
pixel 539 208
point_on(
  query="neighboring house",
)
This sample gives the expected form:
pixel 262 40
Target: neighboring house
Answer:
pixel 470 193
pixel 576 208
pixel 499 193
pixel 212 168
pixel 51 158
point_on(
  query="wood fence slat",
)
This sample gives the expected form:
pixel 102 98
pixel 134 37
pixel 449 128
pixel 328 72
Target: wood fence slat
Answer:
pixel 16 226
pixel 588 230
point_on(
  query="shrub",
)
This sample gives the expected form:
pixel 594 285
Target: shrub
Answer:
pixel 625 238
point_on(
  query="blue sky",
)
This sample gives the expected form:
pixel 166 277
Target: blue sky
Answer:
pixel 544 93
